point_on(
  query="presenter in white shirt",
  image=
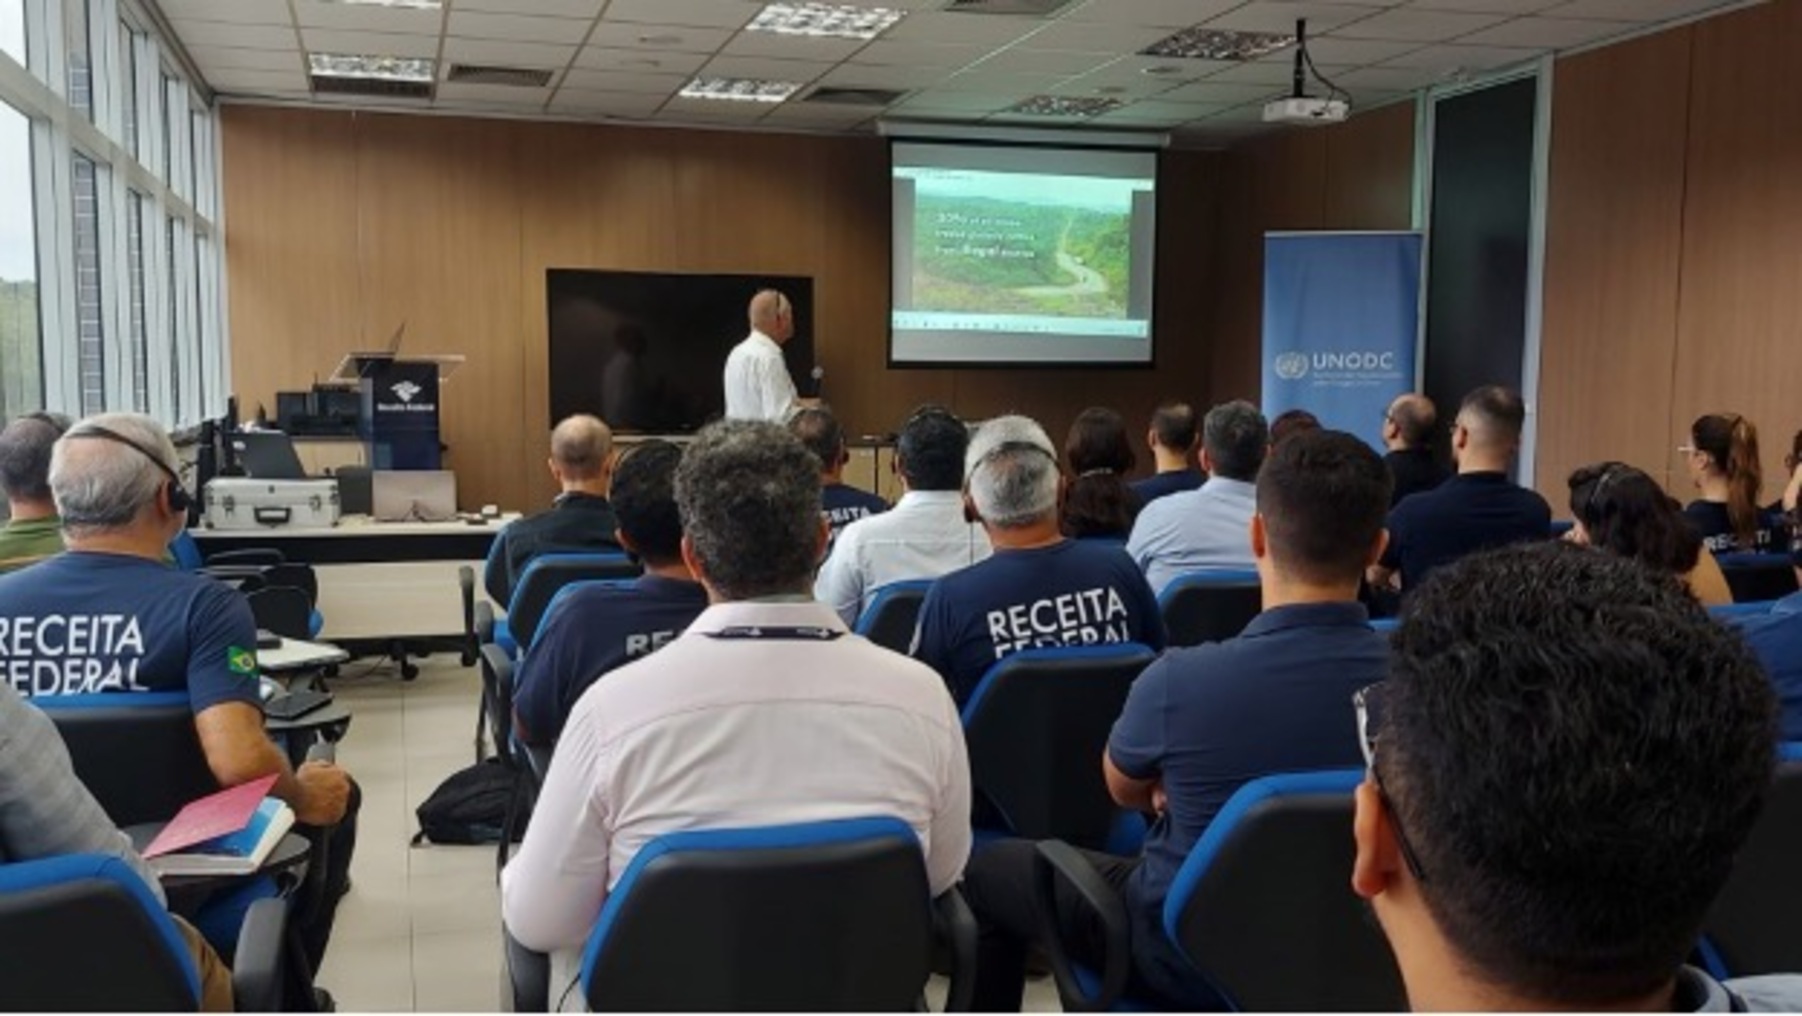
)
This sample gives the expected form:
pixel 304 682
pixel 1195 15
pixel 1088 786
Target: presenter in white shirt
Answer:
pixel 758 386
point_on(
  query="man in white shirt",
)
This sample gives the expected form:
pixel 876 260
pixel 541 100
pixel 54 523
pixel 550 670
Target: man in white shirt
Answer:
pixel 1207 528
pixel 924 535
pixel 757 383
pixel 766 711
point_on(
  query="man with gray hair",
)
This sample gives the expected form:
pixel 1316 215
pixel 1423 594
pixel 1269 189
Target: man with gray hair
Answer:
pixel 32 531
pixel 581 518
pixel 758 385
pixel 110 617
pixel 769 710
pixel 1210 527
pixel 1039 589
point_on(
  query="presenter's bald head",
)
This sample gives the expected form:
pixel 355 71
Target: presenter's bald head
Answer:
pixel 773 315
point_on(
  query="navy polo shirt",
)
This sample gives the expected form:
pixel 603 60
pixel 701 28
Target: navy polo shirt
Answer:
pixel 1712 521
pixel 594 630
pixel 843 504
pixel 1777 639
pixel 576 523
pixel 1174 482
pixel 1071 593
pixel 1207 720
pixel 1468 513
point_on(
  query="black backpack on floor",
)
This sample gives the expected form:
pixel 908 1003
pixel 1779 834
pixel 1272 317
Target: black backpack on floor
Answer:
pixel 469 807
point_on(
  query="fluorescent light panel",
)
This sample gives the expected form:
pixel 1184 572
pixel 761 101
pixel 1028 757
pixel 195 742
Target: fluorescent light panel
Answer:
pixel 841 21
pixel 739 89
pixel 1200 43
pixel 414 5
pixel 374 68
pixel 1064 105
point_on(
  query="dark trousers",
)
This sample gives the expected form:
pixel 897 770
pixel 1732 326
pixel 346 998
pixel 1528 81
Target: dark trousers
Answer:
pixel 328 877
pixel 998 883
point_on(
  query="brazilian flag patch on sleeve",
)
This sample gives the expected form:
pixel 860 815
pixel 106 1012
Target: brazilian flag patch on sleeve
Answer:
pixel 241 661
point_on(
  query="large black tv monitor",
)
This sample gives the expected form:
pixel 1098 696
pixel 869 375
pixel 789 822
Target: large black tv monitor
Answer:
pixel 646 351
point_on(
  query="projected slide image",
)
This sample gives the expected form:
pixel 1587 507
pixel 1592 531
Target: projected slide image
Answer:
pixel 1018 244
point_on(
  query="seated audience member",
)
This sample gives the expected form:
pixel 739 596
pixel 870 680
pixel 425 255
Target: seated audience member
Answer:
pixel 32 531
pixel 1206 528
pixel 1620 509
pixel 1478 509
pixel 46 812
pixel 147 627
pixel 1098 503
pixel 1291 423
pixel 1792 490
pixel 599 628
pixel 765 711
pixel 1201 722
pixel 840 503
pixel 580 519
pixel 1723 464
pixel 924 536
pixel 1040 588
pixel 1408 427
pixel 1777 639
pixel 1563 763
pixel 1172 440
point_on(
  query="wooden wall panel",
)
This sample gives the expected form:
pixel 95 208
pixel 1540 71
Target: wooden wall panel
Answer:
pixel 1739 321
pixel 1613 254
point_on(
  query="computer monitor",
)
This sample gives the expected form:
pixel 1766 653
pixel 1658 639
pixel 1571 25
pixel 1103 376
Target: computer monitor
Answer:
pixel 414 495
pixel 268 455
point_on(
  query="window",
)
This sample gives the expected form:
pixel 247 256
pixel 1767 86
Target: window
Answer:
pixel 90 329
pixel 169 105
pixel 12 29
pixel 128 73
pixel 175 319
pixel 136 312
pixel 21 351
pixel 80 50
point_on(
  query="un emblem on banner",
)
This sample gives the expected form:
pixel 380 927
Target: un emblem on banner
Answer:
pixel 1292 366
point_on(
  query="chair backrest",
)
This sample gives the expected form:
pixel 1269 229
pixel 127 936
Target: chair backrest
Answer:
pixel 82 932
pixel 1263 905
pixel 893 613
pixel 1036 726
pixel 827 916
pixel 1209 606
pixel 550 572
pixel 186 552
pixel 560 600
pixel 1740 611
pixel 283 610
pixel 1753 577
pixel 137 752
pixel 1752 925
pixel 1385 624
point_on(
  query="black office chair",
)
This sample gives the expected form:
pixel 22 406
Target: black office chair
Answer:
pixel 825 916
pixel 1755 577
pixel 1262 908
pixel 894 612
pixel 81 933
pixel 1209 606
pixel 137 752
pixel 1036 726
pixel 283 610
pixel 1751 929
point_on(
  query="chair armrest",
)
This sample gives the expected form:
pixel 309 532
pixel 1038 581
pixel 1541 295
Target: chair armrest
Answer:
pixel 246 578
pixel 956 927
pixel 466 588
pixel 1057 861
pixel 259 970
pixel 528 976
pixel 253 557
pixel 484 623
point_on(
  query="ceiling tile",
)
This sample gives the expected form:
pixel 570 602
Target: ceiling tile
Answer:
pixel 1418 26
pixel 1093 37
pixel 791 47
pixel 1257 72
pixel 535 8
pixel 920 54
pixel 512 28
pixel 241 81
pixel 1128 72
pixel 204 33
pixel 1644 11
pixel 508 54
pixel 1547 33
pixel 1337 51
pixel 802 71
pixel 1281 15
pixel 246 12
pixel 1488 6
pixel 955 102
pixel 628 104
pixel 822 114
pixel 1015 84
pixel 715 109
pixel 212 58
pixel 320 40
pixel 709 13
pixel 454 92
pixel 635 61
pixel 1155 111
pixel 1389 79
pixel 680 38
pixel 1043 61
pixel 1455 57
pixel 858 76
pixel 360 18
pixel 609 81
pixel 1247 113
pixel 1171 14
pixel 978 29
pixel 1226 93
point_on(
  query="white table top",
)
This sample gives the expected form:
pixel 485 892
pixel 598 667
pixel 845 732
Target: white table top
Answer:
pixel 355 526
pixel 293 654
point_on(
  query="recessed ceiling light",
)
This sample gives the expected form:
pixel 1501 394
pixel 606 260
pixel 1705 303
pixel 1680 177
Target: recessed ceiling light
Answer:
pixel 373 68
pixel 843 21
pixel 416 5
pixel 739 89
pixel 1064 105
pixel 1200 43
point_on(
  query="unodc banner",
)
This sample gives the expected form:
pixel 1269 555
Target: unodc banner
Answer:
pixel 1341 313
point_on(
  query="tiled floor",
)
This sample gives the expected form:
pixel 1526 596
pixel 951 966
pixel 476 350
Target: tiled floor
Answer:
pixel 420 929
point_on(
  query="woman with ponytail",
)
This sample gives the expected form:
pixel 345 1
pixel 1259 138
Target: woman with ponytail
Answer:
pixel 1723 463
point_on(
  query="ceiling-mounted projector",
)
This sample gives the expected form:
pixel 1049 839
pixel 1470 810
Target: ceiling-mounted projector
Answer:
pixel 1306 111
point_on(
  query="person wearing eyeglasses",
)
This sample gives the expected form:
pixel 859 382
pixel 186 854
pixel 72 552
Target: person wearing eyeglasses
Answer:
pixel 1619 509
pixel 1408 426
pixel 33 531
pixel 1201 722
pixel 1723 461
pixel 1565 759
pixel 1039 588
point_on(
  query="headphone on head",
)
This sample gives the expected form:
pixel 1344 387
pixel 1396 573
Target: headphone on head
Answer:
pixel 179 501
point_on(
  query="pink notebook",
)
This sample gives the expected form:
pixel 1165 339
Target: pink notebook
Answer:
pixel 211 817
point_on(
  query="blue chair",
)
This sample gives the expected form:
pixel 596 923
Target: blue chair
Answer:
pixel 1385 624
pixel 1755 577
pixel 1262 908
pixel 1036 726
pixel 1732 612
pixel 539 583
pixel 1751 928
pixel 1209 606
pixel 137 752
pixel 893 614
pixel 82 932
pixel 833 916
pixel 560 601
